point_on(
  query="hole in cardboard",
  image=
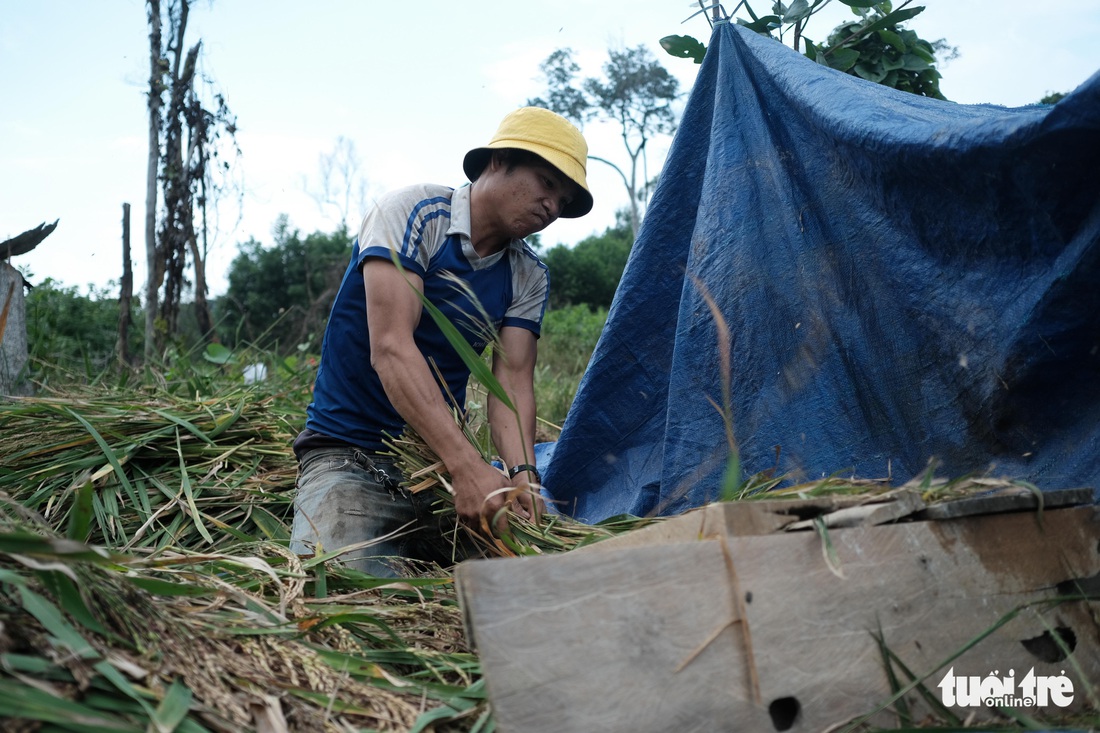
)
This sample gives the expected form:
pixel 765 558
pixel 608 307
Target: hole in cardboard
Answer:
pixel 1052 647
pixel 1079 586
pixel 784 712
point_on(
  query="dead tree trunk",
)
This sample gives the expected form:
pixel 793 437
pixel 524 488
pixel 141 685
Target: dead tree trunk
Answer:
pixel 202 307
pixel 153 260
pixel 126 294
pixel 187 130
pixel 177 230
pixel 13 332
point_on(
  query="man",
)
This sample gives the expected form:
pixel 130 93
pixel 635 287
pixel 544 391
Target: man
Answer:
pixel 463 250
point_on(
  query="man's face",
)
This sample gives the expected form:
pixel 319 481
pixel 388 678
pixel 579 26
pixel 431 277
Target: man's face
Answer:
pixel 529 197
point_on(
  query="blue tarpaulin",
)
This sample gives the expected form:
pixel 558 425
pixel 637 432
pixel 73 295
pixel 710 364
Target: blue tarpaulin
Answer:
pixel 898 279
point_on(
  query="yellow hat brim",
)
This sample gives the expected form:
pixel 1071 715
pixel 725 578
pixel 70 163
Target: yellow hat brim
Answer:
pixel 549 136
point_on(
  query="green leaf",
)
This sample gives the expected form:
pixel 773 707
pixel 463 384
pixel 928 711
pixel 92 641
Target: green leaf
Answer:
pixel 7 576
pixel 796 11
pixel 861 3
pixel 272 527
pixel 23 543
pixel 185 484
pixel 731 478
pixel 110 454
pixel 922 53
pixel 173 708
pixel 80 516
pixel 828 549
pixel 843 59
pixel 427 720
pixel 684 47
pixel 30 703
pixel 35 664
pixel 168 588
pixel 871 73
pixel 123 685
pixel 765 24
pixel 224 423
pixel 67 593
pixel 217 354
pixel 913 62
pixel 892 19
pixel 188 426
pixel 890 38
pixel 889 64
pixel 51 619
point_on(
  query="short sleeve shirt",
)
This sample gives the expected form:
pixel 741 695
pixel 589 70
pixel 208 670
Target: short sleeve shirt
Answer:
pixel 426 229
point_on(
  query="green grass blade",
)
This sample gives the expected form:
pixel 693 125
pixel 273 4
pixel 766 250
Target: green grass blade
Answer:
pixel 103 446
pixel 173 708
pixel 123 685
pixel 901 705
pixel 30 703
pixel 272 527
pixel 189 494
pixel 828 550
pixel 54 622
pixel 80 516
pixel 68 595
pixel 186 425
pixel 160 587
pixel 223 424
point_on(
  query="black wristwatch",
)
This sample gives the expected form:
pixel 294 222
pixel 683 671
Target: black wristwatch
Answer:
pixel 525 467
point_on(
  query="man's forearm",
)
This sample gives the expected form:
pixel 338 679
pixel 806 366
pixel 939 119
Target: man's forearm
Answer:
pixel 415 395
pixel 514 432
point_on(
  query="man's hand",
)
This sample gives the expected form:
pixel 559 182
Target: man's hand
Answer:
pixel 529 501
pixel 480 492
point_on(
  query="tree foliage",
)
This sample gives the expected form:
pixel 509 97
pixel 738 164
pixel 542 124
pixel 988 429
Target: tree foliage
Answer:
pixel 878 49
pixel 635 93
pixel 280 296
pixel 589 272
pixel 874 46
pixel 71 332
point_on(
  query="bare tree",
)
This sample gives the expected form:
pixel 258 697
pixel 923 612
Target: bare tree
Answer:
pixel 636 93
pixel 126 292
pixel 182 167
pixel 152 259
pixel 341 191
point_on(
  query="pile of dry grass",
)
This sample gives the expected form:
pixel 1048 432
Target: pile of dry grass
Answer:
pixel 145 582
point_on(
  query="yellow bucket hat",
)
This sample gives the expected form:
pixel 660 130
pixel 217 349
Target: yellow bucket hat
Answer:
pixel 549 136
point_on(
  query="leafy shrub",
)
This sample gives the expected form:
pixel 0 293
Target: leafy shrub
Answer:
pixel 569 336
pixel 74 336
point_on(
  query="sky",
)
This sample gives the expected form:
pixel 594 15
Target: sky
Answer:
pixel 412 85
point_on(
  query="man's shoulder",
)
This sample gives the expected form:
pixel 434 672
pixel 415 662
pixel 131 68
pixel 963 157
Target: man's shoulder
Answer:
pixel 417 194
pixel 520 250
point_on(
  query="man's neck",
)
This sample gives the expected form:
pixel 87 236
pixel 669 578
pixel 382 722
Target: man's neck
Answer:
pixel 485 238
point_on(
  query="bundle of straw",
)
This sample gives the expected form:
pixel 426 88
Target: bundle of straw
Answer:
pixel 165 470
pixel 551 532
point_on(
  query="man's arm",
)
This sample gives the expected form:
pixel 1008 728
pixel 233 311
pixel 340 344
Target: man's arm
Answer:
pixel 393 312
pixel 514 368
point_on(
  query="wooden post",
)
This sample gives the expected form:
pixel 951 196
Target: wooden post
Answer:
pixel 13 332
pixel 126 294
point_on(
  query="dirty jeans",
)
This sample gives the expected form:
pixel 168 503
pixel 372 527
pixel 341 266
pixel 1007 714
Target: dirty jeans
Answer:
pixel 347 496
